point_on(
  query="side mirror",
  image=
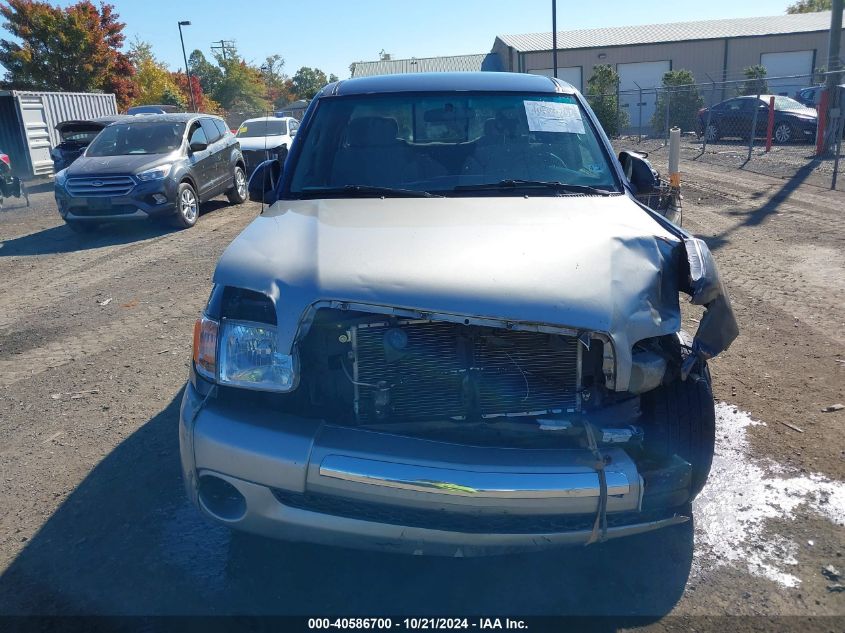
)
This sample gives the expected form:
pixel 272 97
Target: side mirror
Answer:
pixel 198 146
pixel 263 181
pixel 639 172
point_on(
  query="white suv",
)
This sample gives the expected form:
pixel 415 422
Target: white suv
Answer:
pixel 266 137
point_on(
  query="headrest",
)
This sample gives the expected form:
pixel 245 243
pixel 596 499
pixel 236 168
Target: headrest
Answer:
pixel 367 131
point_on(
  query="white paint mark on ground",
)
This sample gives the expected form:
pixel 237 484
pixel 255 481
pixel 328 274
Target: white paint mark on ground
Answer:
pixel 742 493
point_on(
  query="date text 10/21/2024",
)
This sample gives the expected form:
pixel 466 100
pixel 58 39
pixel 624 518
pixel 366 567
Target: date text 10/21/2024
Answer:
pixel 429 623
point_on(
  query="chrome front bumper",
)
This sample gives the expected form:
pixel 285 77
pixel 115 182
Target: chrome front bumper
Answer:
pixel 388 487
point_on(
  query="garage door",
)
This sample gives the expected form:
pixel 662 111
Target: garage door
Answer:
pixel 648 75
pixel 569 75
pixel 787 64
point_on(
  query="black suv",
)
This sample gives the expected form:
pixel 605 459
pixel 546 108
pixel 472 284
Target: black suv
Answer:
pixel 161 165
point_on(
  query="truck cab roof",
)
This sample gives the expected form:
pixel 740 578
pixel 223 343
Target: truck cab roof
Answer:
pixel 447 82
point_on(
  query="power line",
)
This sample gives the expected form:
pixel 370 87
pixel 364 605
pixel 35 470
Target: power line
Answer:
pixel 222 46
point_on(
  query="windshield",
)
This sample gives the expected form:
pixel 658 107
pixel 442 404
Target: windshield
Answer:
pixel 262 128
pixel 450 144
pixel 787 103
pixel 121 139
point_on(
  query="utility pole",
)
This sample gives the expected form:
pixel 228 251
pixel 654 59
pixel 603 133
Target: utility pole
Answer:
pixel 554 36
pixel 223 45
pixel 834 65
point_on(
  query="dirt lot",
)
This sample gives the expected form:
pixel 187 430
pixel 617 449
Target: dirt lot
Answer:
pixel 95 336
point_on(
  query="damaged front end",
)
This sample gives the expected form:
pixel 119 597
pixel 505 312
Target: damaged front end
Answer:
pixel 452 422
pixel 414 429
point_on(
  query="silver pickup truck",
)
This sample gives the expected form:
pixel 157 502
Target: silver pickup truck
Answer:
pixel 453 330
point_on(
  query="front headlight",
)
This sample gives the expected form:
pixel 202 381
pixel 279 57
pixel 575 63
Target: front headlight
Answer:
pixel 156 173
pixel 243 354
pixel 60 177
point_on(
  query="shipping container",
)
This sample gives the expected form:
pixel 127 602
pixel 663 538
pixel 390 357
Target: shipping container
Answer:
pixel 28 124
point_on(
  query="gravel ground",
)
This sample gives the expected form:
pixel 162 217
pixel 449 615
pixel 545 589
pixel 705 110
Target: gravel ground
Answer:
pixel 95 337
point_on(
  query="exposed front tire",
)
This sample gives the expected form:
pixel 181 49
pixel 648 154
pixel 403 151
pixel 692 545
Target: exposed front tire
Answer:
pixel 237 194
pixel 680 419
pixel 187 206
pixel 81 227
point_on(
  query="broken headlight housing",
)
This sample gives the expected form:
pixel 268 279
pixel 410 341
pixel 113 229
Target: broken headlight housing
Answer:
pixel 243 354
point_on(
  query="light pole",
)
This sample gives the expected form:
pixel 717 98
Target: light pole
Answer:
pixel 185 57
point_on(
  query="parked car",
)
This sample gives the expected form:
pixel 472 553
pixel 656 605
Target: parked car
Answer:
pixel 266 137
pixel 158 165
pixel 794 122
pixel 154 109
pixel 810 97
pixel 76 136
pixel 454 331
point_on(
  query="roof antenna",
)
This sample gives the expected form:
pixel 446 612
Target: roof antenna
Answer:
pixel 267 68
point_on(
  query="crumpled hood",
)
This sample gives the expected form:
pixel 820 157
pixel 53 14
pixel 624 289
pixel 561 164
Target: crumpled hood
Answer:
pixel 590 263
pixel 252 143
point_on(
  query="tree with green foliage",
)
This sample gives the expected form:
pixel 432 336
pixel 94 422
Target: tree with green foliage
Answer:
pixel 155 82
pixel 603 97
pixel 809 6
pixel 681 96
pixel 279 85
pixel 755 81
pixel 76 48
pixel 307 82
pixel 241 86
pixel 209 75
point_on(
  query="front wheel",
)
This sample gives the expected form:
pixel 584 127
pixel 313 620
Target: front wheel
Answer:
pixel 712 133
pixel 783 133
pixel 680 419
pixel 237 194
pixel 187 206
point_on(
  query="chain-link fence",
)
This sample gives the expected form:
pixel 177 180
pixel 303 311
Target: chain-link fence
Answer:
pixel 762 124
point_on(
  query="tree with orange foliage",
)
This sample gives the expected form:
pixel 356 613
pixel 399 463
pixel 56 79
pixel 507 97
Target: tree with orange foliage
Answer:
pixel 203 102
pixel 75 48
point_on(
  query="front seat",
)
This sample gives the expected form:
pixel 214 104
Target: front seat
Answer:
pixel 373 155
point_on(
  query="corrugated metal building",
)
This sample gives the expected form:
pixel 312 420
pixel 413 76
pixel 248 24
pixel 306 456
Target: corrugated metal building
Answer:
pixel 454 63
pixel 787 45
pixel 28 123
pixel 721 49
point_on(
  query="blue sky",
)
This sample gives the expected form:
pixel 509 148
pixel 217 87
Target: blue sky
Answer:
pixel 332 34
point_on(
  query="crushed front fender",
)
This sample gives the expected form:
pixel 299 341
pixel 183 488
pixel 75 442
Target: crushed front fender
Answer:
pixel 718 327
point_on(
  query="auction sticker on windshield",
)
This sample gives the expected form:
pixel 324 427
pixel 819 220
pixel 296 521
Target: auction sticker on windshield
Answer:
pixel 552 116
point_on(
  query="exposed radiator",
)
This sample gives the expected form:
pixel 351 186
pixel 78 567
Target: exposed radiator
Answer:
pixel 417 370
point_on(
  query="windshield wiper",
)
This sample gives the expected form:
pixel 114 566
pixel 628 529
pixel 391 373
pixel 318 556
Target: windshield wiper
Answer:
pixel 370 189
pixel 536 184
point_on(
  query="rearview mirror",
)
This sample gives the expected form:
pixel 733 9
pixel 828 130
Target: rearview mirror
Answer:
pixel 639 172
pixel 263 181
pixel 198 146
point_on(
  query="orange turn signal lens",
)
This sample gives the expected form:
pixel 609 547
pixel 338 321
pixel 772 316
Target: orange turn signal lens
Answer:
pixel 205 347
